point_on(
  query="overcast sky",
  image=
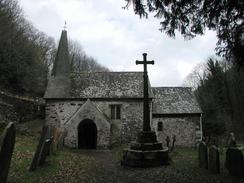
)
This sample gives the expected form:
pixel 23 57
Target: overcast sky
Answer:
pixel 116 37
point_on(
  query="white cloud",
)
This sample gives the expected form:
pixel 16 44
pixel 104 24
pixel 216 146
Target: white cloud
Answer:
pixel 116 37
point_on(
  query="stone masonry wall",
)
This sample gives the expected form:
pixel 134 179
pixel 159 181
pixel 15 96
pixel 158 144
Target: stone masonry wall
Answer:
pixel 183 127
pixel 122 131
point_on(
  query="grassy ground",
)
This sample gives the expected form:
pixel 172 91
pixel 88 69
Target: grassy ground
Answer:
pixel 77 166
pixel 83 166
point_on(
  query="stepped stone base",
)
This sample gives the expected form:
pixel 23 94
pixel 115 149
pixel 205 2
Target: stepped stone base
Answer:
pixel 146 152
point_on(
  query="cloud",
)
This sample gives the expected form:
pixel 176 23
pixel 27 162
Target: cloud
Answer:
pixel 116 37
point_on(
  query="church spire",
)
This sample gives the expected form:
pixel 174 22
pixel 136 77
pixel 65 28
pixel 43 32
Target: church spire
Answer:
pixel 61 66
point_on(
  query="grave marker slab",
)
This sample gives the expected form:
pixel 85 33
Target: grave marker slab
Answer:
pixel 61 140
pixel 36 157
pixel 6 151
pixel 203 155
pixel 234 161
pixel 213 160
pixel 45 152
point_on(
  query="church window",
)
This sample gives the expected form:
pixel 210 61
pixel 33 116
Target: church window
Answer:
pixel 115 111
pixel 160 126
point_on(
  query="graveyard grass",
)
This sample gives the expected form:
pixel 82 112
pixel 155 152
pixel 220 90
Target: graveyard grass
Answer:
pixel 71 165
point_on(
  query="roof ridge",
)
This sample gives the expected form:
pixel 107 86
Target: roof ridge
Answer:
pixel 173 87
pixel 109 72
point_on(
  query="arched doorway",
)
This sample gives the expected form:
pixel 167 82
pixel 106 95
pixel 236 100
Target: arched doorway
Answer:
pixel 87 134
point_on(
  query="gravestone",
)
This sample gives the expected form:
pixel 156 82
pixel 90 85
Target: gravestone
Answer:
pixel 167 141
pixel 62 136
pixel 213 160
pixel 173 143
pixel 231 141
pixel 45 152
pixel 51 151
pixel 56 136
pixel 36 157
pixel 234 161
pixel 6 151
pixel 203 155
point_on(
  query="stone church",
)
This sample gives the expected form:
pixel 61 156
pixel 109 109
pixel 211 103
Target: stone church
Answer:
pixel 102 109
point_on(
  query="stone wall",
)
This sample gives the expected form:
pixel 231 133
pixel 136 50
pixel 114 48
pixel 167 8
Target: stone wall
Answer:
pixel 121 131
pixel 184 128
pixel 19 109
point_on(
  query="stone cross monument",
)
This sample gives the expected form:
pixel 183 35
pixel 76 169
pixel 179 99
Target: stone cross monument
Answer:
pixel 146 151
pixel 146 107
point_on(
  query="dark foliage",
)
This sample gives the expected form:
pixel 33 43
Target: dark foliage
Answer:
pixel 25 53
pixel 219 93
pixel 192 17
pixel 80 61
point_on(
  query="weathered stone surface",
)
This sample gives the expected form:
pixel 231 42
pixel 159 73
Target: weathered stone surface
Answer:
pixel 183 127
pixel 174 100
pixel 92 112
pixel 147 137
pixel 56 136
pixel 213 160
pixel 7 146
pixel 126 129
pixel 203 155
pixel 234 161
pixel 123 130
pixel 144 159
pixel 38 151
pixel 146 146
pixel 60 144
pixel 44 152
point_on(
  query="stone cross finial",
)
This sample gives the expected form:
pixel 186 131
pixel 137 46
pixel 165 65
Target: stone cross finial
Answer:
pixel 65 25
pixel 146 108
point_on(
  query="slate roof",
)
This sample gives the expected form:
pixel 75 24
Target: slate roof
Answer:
pixel 58 87
pixel 61 66
pixel 174 100
pixel 108 85
pixel 97 85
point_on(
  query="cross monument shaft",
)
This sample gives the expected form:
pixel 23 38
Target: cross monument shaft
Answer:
pixel 146 104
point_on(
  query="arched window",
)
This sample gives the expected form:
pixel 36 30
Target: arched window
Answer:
pixel 160 126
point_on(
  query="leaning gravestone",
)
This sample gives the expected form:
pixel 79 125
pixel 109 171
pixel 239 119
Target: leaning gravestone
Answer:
pixel 45 152
pixel 6 151
pixel 50 147
pixel 36 158
pixel 56 135
pixel 62 136
pixel 203 155
pixel 234 161
pixel 213 160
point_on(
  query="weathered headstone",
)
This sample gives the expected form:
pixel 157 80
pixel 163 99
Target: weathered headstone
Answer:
pixel 234 161
pixel 213 160
pixel 203 155
pixel 45 152
pixel 6 151
pixel 231 141
pixel 50 150
pixel 167 141
pixel 173 143
pixel 61 140
pixel 36 157
pixel 56 135
pixel 58 139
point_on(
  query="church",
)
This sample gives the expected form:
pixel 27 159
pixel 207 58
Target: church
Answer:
pixel 99 110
